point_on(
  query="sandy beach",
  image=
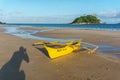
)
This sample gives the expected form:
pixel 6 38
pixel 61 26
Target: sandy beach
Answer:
pixel 19 60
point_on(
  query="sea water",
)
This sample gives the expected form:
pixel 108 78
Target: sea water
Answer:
pixel 113 27
pixel 26 33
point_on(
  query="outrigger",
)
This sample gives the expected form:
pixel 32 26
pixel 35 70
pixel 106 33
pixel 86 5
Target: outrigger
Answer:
pixel 59 48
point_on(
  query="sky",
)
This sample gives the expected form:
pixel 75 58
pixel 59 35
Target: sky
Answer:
pixel 58 11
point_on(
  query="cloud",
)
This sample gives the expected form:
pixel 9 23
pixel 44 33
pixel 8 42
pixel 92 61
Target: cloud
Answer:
pixel 111 14
pixel 1 15
pixel 18 17
pixel 1 12
pixel 39 19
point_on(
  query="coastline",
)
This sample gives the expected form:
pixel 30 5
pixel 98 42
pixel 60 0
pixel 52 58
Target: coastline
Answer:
pixel 75 66
pixel 104 27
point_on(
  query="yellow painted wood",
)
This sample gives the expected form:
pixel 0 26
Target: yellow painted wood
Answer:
pixel 69 47
pixel 57 52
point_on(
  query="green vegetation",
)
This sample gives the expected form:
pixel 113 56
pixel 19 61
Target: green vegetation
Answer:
pixel 87 19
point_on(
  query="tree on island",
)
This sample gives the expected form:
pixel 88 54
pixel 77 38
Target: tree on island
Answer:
pixel 87 19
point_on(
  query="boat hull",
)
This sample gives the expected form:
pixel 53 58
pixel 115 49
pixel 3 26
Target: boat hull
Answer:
pixel 57 52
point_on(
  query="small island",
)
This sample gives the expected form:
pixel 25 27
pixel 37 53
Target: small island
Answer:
pixel 86 19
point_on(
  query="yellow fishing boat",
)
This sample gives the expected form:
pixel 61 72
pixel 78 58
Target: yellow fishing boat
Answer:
pixel 57 52
pixel 62 47
pixel 60 51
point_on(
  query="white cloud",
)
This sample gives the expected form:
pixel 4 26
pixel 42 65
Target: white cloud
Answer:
pixel 111 14
pixel 19 17
pixel 1 12
pixel 45 19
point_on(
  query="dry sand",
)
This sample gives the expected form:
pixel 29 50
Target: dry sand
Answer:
pixel 16 63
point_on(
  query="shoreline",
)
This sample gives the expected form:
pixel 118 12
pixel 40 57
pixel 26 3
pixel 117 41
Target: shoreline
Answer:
pixel 46 29
pixel 102 27
pixel 75 66
pixel 33 33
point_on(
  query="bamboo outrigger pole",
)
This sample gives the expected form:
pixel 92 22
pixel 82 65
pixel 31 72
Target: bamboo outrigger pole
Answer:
pixel 90 51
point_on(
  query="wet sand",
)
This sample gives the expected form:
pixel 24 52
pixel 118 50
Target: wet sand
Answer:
pixel 92 36
pixel 19 59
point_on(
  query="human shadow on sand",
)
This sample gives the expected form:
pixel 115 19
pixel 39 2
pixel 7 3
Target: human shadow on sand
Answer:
pixel 11 70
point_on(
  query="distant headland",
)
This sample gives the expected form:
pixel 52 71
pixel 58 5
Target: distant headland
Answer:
pixel 2 22
pixel 86 19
